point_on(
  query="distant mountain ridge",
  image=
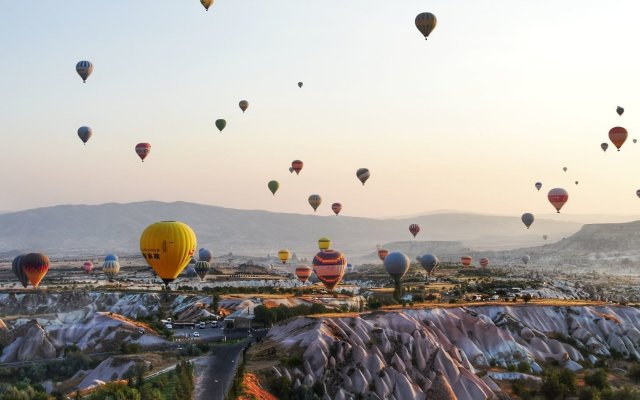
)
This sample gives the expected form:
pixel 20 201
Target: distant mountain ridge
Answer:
pixel 112 227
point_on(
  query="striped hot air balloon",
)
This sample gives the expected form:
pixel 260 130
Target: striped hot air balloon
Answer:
pixel 202 268
pixel 363 174
pixel 329 266
pixel 315 200
pixel 426 23
pixel 18 270
pixel 466 260
pixel 618 135
pixel 111 267
pixel 35 267
pixel 284 255
pixel 303 272
pixel 84 69
pixel 324 243
pixel 143 150
pixel 414 229
pixel 558 197
pixel 484 262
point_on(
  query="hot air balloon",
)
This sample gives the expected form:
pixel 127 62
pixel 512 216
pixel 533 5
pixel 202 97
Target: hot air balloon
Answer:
pixel 397 264
pixel 303 272
pixel 382 253
pixel 349 267
pixel 619 110
pixel 18 270
pixel 635 140
pixel 202 267
pixel 414 229
pixel 484 262
pixel 426 22
pixel 618 135
pixel 143 150
pixel 300 85
pixel 525 259
pixel 545 237
pixel 527 219
pixel 273 186
pixel 329 266
pixel 84 133
pixel 206 4
pixel 564 169
pixel 336 207
pixel 190 271
pixel 111 257
pixel 205 255
pixel 466 260
pixel 638 192
pixel 604 146
pixel 167 247
pixel 87 267
pixel 538 185
pixel 576 182
pixel 84 69
pixel 35 266
pixel 220 124
pixel 284 255
pixel 243 105
pixel 324 243
pixel 558 197
pixel 111 267
pixel 297 166
pixel 315 201
pixel 363 174
pixel 429 262
pixel 291 170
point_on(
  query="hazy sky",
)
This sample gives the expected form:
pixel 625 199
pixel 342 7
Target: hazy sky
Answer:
pixel 503 94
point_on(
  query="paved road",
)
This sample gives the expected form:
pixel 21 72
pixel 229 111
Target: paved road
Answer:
pixel 215 372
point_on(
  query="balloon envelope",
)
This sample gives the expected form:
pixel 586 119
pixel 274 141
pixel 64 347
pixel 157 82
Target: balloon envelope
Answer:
pixel 220 124
pixel 414 229
pixel 167 247
pixel 324 243
pixel 618 135
pixel 303 272
pixel 206 4
pixel 564 169
pixel 84 69
pixel 284 255
pixel 525 259
pixel 202 267
pixel 205 255
pixel 429 262
pixel 315 200
pixel 18 270
pixel 300 84
pixel 382 253
pixel 527 219
pixel 363 174
pixel 111 257
pixel 143 150
pixel 273 186
pixel 538 185
pixel 84 133
pixel 35 266
pixel 243 105
pixel 396 264
pixel 619 110
pixel 604 146
pixel 297 166
pixel 484 262
pixel 558 197
pixel 466 260
pixel 87 266
pixel 336 208
pixel 329 266
pixel 426 22
pixel 111 268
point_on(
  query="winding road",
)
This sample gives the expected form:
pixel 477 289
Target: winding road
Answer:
pixel 215 372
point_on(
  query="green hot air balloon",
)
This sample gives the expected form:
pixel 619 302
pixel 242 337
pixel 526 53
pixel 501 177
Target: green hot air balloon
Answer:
pixel 220 124
pixel 273 186
pixel 202 267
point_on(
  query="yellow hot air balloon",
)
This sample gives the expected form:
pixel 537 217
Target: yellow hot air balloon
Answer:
pixel 284 255
pixel 167 247
pixel 206 4
pixel 324 243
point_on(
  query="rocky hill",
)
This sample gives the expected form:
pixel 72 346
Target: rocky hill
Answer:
pixel 81 229
pixel 399 355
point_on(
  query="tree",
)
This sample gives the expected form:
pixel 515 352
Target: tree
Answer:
pixel 116 390
pixel 598 379
pixel 558 385
pixel 634 373
pixel 215 303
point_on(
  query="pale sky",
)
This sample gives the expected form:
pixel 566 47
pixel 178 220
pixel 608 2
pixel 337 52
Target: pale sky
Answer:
pixel 503 94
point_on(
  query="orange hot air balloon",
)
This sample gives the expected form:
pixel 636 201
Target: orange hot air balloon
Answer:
pixel 336 207
pixel 143 150
pixel 35 266
pixel 558 197
pixel 382 254
pixel 484 262
pixel 466 260
pixel 330 266
pixel 303 273
pixel 297 166
pixel 618 135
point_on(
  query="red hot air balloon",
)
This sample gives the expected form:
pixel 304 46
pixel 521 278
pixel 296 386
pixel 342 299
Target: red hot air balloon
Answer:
pixel 557 197
pixel 382 254
pixel 484 262
pixel 303 273
pixel 466 260
pixel 329 266
pixel 618 135
pixel 414 229
pixel 336 207
pixel 35 266
pixel 297 166
pixel 87 267
pixel 143 150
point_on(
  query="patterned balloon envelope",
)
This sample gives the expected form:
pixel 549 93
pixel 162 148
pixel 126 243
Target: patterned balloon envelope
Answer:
pixel 330 266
